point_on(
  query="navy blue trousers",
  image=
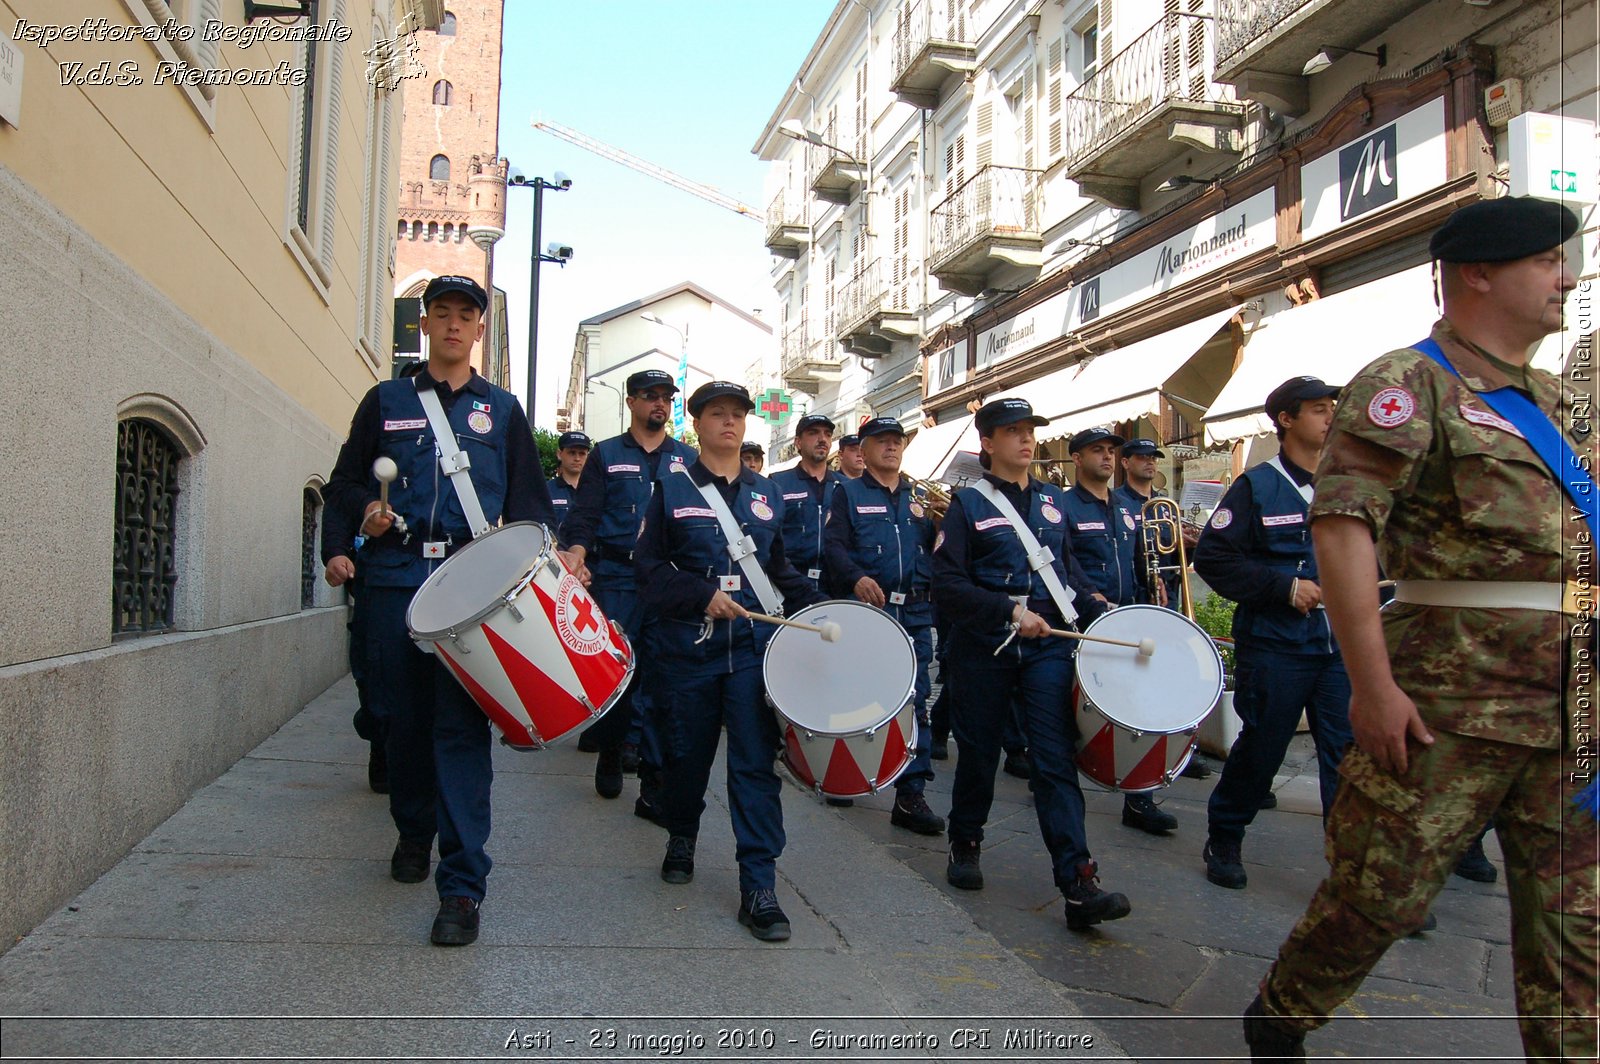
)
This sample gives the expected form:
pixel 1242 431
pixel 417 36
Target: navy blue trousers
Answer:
pixel 1271 689
pixel 693 713
pixel 1036 676
pixel 916 776
pixel 439 747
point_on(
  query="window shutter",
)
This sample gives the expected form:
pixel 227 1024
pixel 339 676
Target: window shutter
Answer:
pixel 985 152
pixel 1054 69
pixel 1028 134
pixel 333 98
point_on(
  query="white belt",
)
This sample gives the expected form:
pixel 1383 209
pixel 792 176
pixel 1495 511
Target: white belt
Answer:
pixel 1550 596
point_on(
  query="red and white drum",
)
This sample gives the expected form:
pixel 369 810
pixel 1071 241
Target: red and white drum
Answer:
pixel 522 636
pixel 1137 716
pixel 845 708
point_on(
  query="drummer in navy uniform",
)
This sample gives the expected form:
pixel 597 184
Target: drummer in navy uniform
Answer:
pixel 1257 551
pixel 438 741
pixel 1001 650
pixel 753 455
pixel 697 599
pixel 572 450
pixel 851 463
pixel 1105 541
pixel 808 488
pixel 879 548
pixel 617 482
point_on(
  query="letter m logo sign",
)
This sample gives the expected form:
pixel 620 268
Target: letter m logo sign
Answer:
pixel 1367 174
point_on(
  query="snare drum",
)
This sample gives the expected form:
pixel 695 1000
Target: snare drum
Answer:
pixel 1137 716
pixel 845 709
pixel 522 636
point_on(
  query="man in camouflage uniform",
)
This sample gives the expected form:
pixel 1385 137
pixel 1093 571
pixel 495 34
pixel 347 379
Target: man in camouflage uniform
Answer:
pixel 1457 693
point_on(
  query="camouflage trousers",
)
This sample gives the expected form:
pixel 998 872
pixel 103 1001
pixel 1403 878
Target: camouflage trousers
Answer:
pixel 1391 843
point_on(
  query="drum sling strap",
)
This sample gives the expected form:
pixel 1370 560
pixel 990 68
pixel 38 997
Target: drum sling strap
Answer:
pixel 1039 556
pixel 741 548
pixel 453 460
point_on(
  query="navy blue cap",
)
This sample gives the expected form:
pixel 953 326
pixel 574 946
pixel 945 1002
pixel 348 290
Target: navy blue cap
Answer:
pixel 569 440
pixel 812 421
pixel 1502 230
pixel 716 390
pixel 851 440
pixel 1094 435
pixel 650 378
pixel 752 447
pixel 1294 390
pixel 1144 447
pixel 878 426
pixel 1000 412
pixel 451 282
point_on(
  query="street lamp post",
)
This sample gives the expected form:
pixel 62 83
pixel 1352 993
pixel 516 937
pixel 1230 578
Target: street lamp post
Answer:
pixel 559 254
pixel 622 415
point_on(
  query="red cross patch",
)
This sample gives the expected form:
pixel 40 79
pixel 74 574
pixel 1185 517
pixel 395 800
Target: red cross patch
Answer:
pixel 1391 408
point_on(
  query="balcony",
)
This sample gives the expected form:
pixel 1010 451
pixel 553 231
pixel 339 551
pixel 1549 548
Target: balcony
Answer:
pixel 872 315
pixel 1152 102
pixel 1263 45
pixel 933 39
pixel 834 175
pixel 808 362
pixel 788 232
pixel 991 221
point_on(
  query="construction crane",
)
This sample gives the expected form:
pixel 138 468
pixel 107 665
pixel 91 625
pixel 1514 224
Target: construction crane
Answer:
pixel 660 173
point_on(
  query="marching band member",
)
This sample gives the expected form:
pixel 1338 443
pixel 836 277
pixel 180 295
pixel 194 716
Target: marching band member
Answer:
pixel 1105 542
pixel 697 598
pixel 808 488
pixel 572 450
pixel 1003 608
pixel 851 464
pixel 1257 551
pixel 438 741
pixel 617 482
pixel 879 550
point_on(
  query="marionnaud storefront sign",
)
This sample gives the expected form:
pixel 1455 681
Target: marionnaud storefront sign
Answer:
pixel 947 367
pixel 1232 234
pixel 1386 165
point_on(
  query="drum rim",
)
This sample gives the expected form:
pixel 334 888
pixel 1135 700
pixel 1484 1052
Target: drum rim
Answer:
pixel 907 699
pixel 498 601
pixel 1104 712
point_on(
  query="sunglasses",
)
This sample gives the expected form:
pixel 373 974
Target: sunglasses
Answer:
pixel 654 397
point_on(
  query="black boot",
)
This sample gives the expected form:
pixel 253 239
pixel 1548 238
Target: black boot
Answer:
pixel 1267 1038
pixel 1087 904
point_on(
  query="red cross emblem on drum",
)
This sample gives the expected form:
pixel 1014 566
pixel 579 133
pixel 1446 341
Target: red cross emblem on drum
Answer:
pixel 577 618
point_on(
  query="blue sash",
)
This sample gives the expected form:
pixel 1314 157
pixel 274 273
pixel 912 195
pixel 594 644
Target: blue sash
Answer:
pixel 1542 435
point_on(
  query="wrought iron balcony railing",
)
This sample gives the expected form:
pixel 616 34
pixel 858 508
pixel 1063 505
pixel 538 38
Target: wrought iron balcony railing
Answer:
pixel 929 22
pixel 996 201
pixel 785 212
pixel 1240 22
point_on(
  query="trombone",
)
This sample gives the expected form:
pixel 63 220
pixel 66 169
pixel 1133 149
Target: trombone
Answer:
pixel 1161 536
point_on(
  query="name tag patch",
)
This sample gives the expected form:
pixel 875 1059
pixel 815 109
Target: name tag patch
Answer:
pixel 872 509
pixel 694 511
pixel 1284 519
pixel 1489 420
pixel 795 495
pixel 405 425
pixel 1090 526
pixel 991 522
pixel 622 469
pixel 560 502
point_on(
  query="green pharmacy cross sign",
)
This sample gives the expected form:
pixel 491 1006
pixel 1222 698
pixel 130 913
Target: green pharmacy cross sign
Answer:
pixel 775 406
pixel 1563 181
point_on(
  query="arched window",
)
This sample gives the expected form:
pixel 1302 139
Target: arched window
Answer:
pixel 443 93
pixel 400 233
pixel 447 25
pixel 433 231
pixel 143 565
pixel 439 168
pixel 310 527
pixel 449 232
pixel 416 230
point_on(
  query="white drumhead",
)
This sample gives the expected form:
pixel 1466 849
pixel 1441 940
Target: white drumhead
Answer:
pixel 475 578
pixel 845 687
pixel 1169 691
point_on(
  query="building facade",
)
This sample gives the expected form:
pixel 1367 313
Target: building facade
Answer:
pixel 1135 213
pixel 200 287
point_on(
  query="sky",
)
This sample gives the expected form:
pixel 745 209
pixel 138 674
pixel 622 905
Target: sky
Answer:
pixel 685 84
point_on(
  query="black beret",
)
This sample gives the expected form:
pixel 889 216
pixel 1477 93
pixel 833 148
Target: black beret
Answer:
pixel 1503 230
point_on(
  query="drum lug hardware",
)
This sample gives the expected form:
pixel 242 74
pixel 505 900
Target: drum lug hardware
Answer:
pixel 456 639
pixel 1137 734
pixel 588 705
pixel 511 606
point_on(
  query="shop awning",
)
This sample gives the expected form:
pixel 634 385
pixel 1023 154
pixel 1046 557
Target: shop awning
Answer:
pixel 1331 338
pixel 1119 385
pixel 926 453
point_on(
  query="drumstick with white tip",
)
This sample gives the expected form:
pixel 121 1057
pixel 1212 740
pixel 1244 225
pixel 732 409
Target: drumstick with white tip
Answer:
pixel 386 471
pixel 828 630
pixel 1145 647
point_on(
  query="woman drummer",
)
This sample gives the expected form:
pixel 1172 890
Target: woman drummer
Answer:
pixel 709 648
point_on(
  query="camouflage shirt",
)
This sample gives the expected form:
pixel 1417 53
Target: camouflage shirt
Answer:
pixel 1452 492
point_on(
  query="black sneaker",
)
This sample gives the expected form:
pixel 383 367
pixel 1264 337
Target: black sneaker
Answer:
pixel 1474 865
pixel 912 813
pixel 378 771
pixel 1269 802
pixel 1267 1038
pixel 411 861
pixel 1196 769
pixel 608 774
pixel 645 809
pixel 1087 904
pixel 628 757
pixel 964 871
pixel 457 922
pixel 587 742
pixel 939 750
pixel 1224 863
pixel 678 865
pixel 1139 811
pixel 759 911
pixel 1019 765
pixel 840 803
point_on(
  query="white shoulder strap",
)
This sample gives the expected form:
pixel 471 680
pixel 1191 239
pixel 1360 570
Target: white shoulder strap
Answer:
pixel 1306 491
pixel 741 548
pixel 1039 556
pixel 453 460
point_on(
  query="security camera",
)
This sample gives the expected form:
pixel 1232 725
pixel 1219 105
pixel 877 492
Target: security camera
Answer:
pixel 561 180
pixel 559 251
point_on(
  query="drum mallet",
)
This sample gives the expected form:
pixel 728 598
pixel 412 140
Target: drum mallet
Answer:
pixel 828 630
pixel 386 471
pixel 1145 647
